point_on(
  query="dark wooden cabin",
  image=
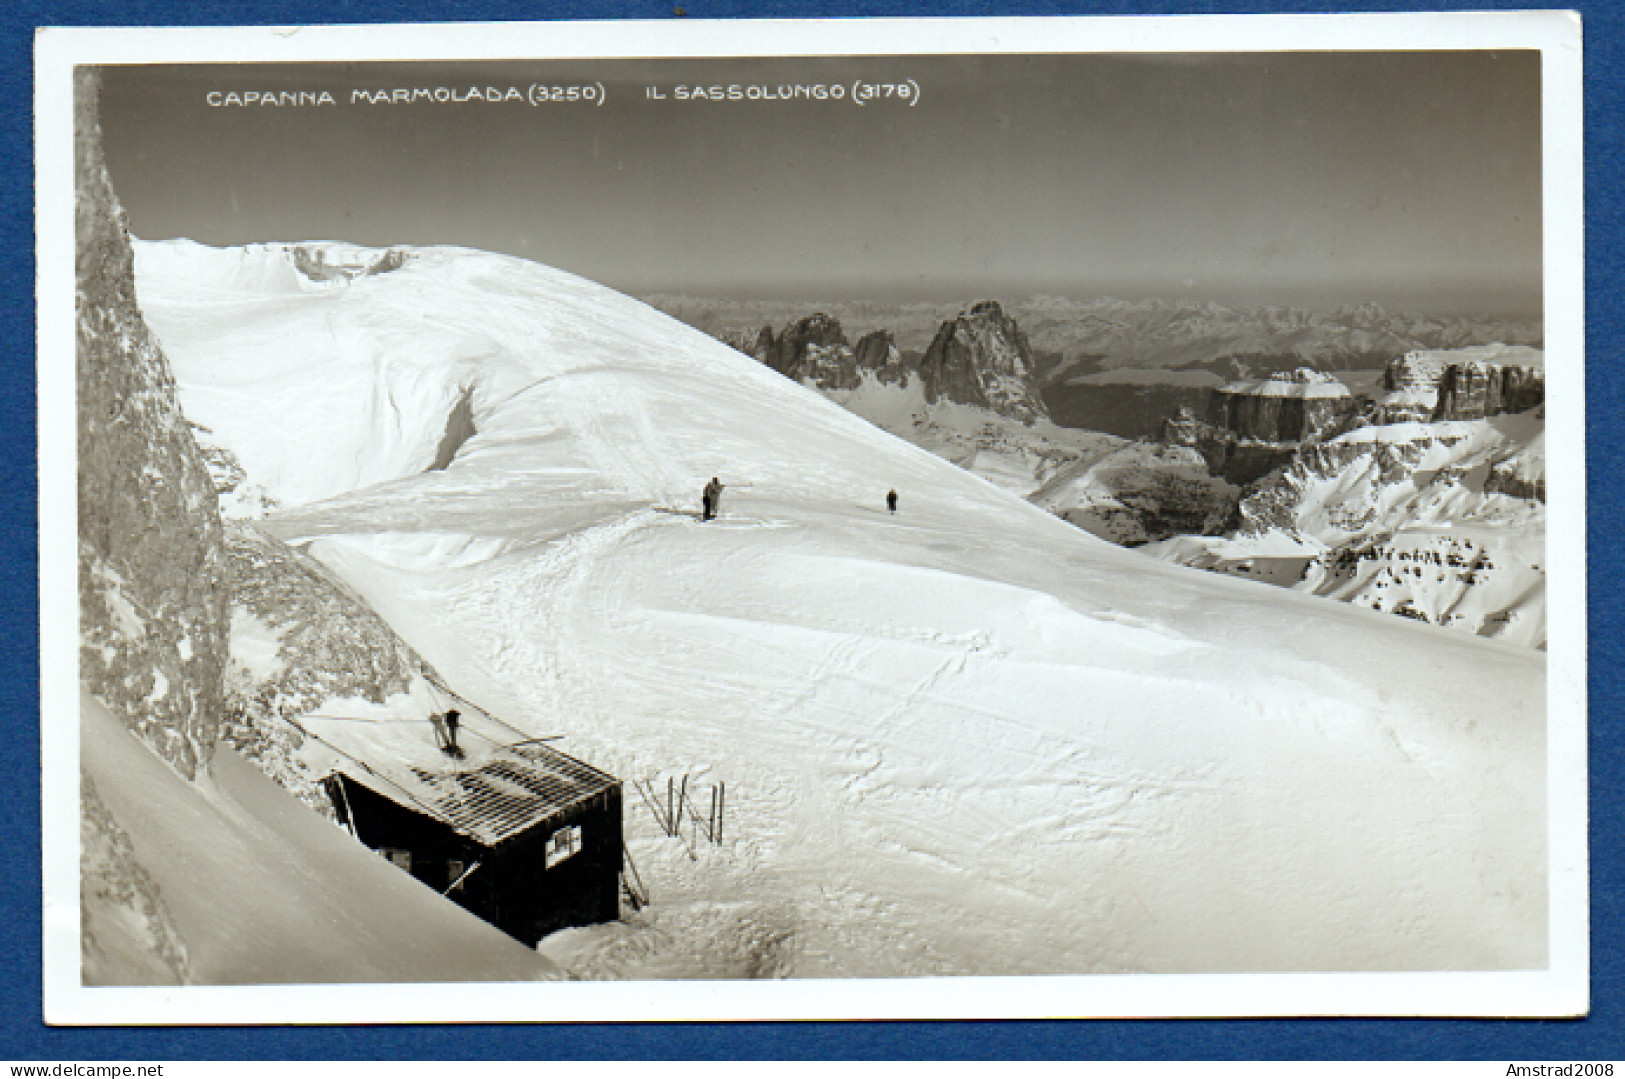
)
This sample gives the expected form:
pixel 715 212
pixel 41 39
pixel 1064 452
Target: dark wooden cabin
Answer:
pixel 518 833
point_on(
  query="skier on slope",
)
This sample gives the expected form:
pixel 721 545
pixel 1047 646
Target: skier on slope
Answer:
pixel 711 500
pixel 891 500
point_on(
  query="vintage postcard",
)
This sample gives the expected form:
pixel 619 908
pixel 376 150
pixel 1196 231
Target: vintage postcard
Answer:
pixel 962 518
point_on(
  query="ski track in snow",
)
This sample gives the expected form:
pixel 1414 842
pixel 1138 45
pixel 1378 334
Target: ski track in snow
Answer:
pixel 967 738
pixel 864 772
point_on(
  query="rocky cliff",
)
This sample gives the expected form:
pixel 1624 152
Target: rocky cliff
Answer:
pixel 167 840
pixel 972 398
pixel 1462 384
pixel 814 350
pixel 982 358
pixel 153 616
pixel 1475 391
pixel 1251 427
pixel 1289 406
pixel 877 352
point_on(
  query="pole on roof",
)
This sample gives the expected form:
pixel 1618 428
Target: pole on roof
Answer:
pixel 448 691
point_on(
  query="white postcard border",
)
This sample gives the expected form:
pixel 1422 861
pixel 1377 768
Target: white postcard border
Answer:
pixel 1560 990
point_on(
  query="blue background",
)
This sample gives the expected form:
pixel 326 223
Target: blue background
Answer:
pixel 23 1035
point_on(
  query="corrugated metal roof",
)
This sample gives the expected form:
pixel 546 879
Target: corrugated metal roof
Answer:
pixel 503 784
pixel 506 795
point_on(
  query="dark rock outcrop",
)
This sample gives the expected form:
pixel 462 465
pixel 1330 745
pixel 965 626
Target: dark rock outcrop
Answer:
pixel 877 353
pixel 812 349
pixel 1240 462
pixel 1184 428
pixel 1433 386
pixel 1414 372
pixel 982 358
pixel 315 264
pixel 1476 391
pixel 1289 406
pixel 1152 506
pixel 1252 428
pixel 757 344
pixel 761 346
pixel 154 626
pixel 459 429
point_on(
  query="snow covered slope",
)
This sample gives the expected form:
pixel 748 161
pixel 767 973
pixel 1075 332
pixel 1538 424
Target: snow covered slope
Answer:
pixel 250 887
pixel 967 738
pixel 1007 452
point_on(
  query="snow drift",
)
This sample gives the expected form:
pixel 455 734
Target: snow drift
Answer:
pixel 967 738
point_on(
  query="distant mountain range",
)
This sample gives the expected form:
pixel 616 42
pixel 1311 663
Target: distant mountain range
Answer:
pixel 1122 366
pixel 1357 485
pixel 1098 336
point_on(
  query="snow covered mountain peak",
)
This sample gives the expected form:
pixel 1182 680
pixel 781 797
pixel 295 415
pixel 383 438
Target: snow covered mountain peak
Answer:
pixel 356 379
pixel 1301 382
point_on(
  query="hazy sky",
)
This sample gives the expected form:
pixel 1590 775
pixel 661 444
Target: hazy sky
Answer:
pixel 1315 179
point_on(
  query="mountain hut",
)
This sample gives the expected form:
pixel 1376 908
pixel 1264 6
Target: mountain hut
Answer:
pixel 518 833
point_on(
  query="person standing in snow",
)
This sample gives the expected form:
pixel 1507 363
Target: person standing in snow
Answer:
pixel 452 717
pixel 712 499
pixel 891 500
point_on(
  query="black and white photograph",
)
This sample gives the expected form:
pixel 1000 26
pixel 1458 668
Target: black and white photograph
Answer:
pixel 948 517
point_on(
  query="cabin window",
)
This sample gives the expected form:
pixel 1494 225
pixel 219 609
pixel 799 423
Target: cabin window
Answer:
pixel 398 855
pixel 562 844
